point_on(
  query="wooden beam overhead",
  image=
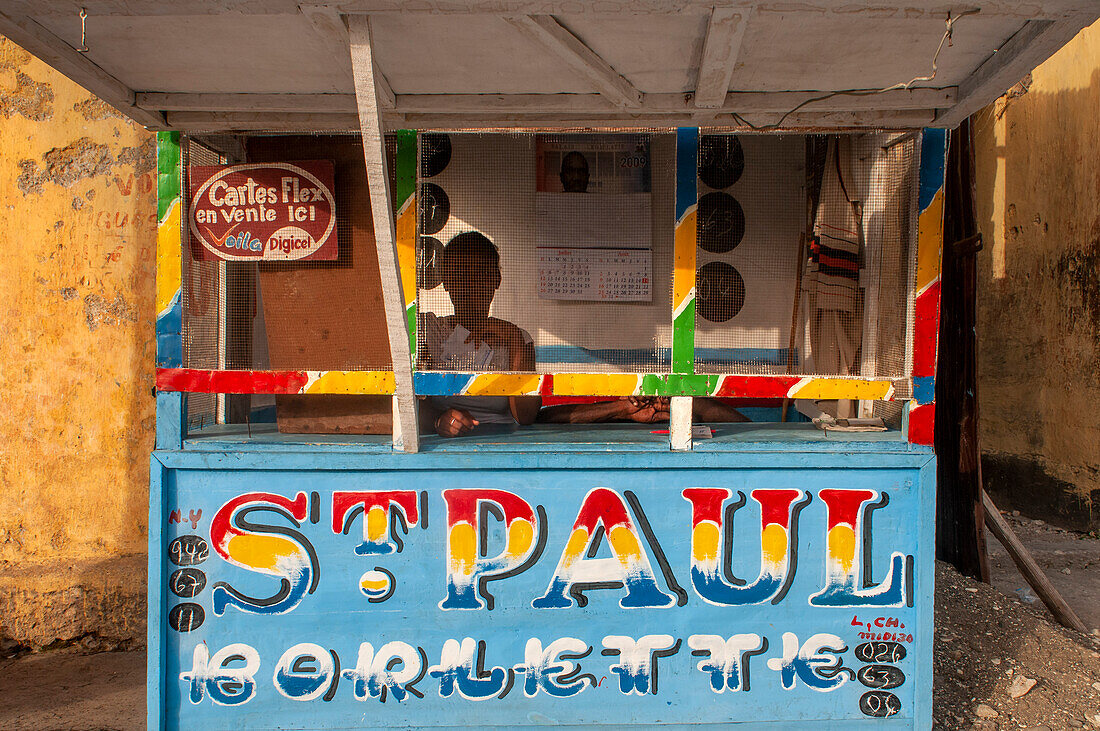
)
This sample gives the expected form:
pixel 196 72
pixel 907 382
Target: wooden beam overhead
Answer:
pixel 1034 43
pixel 740 102
pixel 78 67
pixel 722 47
pixel 902 119
pixel 1023 9
pixel 332 27
pixel 557 39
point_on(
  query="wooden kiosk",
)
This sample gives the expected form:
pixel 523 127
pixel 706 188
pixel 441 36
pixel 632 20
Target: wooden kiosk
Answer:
pixel 372 574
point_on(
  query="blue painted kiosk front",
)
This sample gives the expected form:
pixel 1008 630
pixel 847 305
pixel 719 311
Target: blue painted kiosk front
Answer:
pixel 774 573
pixel 773 576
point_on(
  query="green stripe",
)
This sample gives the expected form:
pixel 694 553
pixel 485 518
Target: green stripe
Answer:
pixel 678 384
pixel 410 314
pixel 683 340
pixel 168 171
pixel 406 165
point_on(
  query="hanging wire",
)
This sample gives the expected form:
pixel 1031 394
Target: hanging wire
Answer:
pixel 950 21
pixel 83 31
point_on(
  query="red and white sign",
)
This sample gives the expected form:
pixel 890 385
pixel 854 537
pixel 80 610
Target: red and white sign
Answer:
pixel 278 211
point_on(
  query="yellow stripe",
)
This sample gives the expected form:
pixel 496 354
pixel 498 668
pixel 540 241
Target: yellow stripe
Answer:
pixel 169 276
pixel 850 388
pixel 595 384
pixel 406 249
pixel 361 382
pixel 930 241
pixel 683 276
pixel 504 384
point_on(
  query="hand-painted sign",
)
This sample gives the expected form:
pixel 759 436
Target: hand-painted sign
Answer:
pixel 277 211
pixel 556 596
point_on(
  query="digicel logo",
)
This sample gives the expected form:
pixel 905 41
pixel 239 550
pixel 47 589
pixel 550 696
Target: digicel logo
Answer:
pixel 290 241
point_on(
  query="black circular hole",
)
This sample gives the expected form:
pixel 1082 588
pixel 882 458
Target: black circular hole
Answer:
pixel 721 160
pixel 721 223
pixel 433 207
pixel 429 262
pixel 435 153
pixel 719 291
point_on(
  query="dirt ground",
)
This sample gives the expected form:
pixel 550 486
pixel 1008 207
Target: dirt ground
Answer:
pixel 991 643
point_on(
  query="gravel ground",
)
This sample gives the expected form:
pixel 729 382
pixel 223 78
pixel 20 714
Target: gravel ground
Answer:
pixel 990 644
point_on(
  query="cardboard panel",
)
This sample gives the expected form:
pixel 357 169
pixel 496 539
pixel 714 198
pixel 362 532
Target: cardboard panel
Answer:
pixel 328 315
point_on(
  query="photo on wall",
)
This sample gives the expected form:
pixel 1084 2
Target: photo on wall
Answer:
pixel 593 217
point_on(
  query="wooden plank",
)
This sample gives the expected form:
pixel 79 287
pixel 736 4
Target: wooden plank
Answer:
pixel 268 122
pixel 78 67
pixel 721 49
pixel 334 30
pixel 841 8
pixel 311 103
pixel 679 423
pixel 406 434
pixel 740 102
pixel 1034 43
pixel 1029 569
pixel 557 39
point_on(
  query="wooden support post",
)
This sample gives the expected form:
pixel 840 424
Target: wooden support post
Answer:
pixel 679 423
pixel 405 431
pixel 960 539
pixel 1029 569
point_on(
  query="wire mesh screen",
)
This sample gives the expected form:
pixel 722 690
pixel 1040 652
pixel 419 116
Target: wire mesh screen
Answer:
pixel 545 252
pixel 804 254
pixel 290 315
pixel 202 299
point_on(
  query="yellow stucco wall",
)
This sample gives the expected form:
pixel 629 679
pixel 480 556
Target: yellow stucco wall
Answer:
pixel 78 212
pixel 1038 195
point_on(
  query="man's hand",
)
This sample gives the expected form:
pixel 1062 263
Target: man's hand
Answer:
pixel 648 409
pixel 454 423
pixel 499 334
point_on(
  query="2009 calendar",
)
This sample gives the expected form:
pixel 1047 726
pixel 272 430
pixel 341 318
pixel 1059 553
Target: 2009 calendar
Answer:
pixel 602 275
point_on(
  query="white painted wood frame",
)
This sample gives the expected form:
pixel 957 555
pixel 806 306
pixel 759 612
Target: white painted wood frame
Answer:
pixel 406 434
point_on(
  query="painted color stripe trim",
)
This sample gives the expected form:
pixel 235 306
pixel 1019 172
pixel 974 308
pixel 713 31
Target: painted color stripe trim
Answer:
pixel 683 274
pixel 169 308
pixel 191 380
pixel 405 175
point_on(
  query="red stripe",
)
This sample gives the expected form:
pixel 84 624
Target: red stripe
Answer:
pixel 756 386
pixel 926 330
pixel 922 425
pixel 192 380
pixel 832 261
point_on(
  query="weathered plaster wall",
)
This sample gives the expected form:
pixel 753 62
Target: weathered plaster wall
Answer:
pixel 1038 189
pixel 78 215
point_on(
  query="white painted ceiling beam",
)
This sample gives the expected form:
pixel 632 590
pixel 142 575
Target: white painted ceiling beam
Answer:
pixel 1024 9
pixel 78 67
pixel 721 48
pixel 311 122
pixel 565 46
pixel 1034 43
pixel 741 102
pixel 334 31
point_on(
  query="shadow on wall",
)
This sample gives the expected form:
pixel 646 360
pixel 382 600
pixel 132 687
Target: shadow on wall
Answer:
pixel 1038 198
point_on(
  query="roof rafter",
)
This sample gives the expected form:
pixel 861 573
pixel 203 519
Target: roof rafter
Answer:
pixel 725 31
pixel 557 39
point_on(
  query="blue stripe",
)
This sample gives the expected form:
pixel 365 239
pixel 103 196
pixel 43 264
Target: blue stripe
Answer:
pixel 440 384
pixel 687 157
pixel 933 154
pixel 629 357
pixel 924 389
pixel 170 335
